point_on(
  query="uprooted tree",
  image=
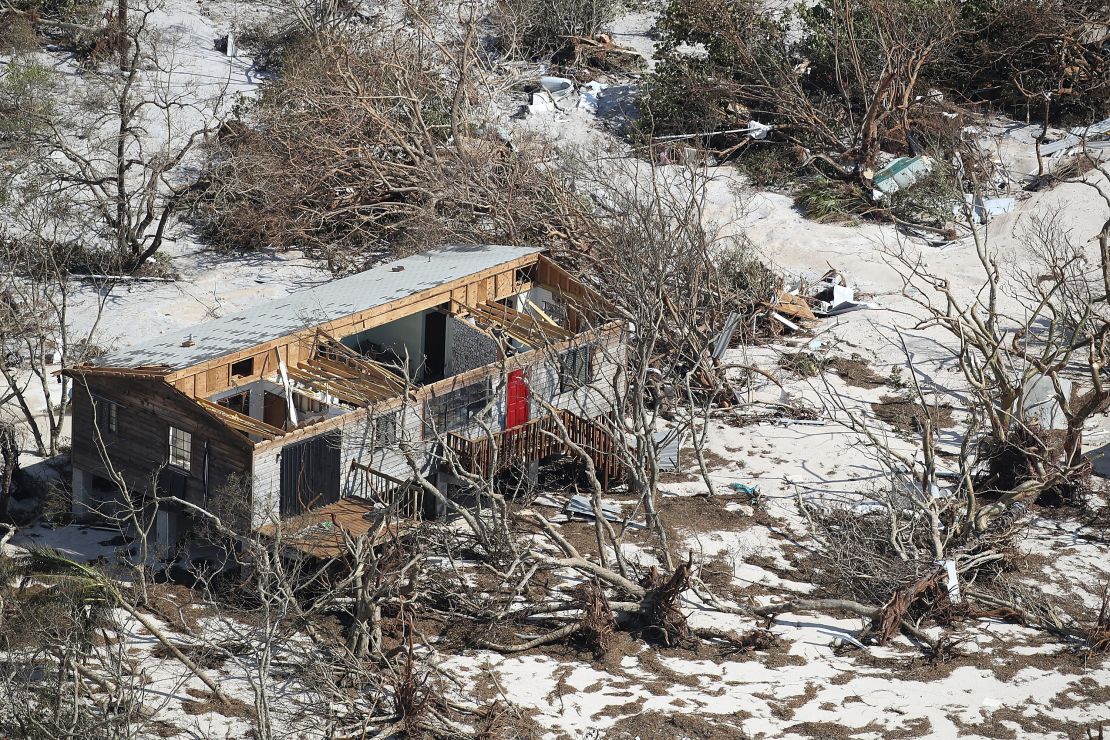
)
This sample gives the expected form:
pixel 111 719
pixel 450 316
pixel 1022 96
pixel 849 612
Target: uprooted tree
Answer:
pixel 1030 349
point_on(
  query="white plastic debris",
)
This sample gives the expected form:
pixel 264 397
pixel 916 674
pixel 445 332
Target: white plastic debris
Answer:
pixel 901 174
pixel 758 131
pixel 953 580
pixel 588 98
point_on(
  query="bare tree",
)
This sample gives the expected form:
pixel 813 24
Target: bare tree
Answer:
pixel 839 79
pixel 382 138
pixel 117 144
pixel 1031 348
pixel 39 330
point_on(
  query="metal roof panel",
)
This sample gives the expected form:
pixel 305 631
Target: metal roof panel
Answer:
pixel 312 307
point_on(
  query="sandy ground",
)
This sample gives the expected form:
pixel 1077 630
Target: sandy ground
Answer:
pixel 1009 681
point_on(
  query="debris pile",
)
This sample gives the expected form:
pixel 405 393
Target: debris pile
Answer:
pixel 832 295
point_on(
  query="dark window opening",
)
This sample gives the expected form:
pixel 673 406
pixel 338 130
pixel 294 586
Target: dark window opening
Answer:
pixel 526 274
pixel 104 415
pixel 310 474
pixel 240 402
pixel 242 368
pixel 386 430
pixel 457 409
pixel 576 368
pixel 435 346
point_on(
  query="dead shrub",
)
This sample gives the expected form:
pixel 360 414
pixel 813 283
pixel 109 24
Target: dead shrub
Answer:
pixel 543 29
pixel 662 619
pixel 1098 636
pixel 597 624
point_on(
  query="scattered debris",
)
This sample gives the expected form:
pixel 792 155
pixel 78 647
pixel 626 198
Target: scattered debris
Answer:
pixel 582 506
pixel 953 580
pixel 832 295
pixel 554 94
pixel 788 324
pixel 901 174
pixel 829 296
pixel 602 53
pixel 984 209
pixel 794 306
pixel 751 491
pixel 1094 136
pixel 754 129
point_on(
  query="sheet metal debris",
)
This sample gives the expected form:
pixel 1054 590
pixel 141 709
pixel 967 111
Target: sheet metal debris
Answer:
pixel 583 506
pixel 1095 136
pixel 722 340
pixel 668 443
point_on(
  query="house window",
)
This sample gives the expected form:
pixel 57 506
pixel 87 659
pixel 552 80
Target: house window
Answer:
pixel 242 368
pixel 386 430
pixel 576 368
pixel 457 409
pixel 104 415
pixel 181 449
pixel 240 402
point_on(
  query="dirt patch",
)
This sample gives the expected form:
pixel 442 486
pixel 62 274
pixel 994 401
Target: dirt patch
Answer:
pixel 908 416
pixel 702 513
pixel 718 573
pixel 785 708
pixel 781 658
pixel 513 724
pixel 177 605
pixel 205 657
pixel 162 728
pixel 1037 725
pixel 679 726
pixel 856 372
pixel 805 364
pixel 205 703
pixel 918 727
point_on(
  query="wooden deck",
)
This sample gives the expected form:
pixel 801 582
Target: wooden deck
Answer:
pixel 535 440
pixel 319 533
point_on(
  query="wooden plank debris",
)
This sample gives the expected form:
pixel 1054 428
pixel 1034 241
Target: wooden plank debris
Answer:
pixel 239 421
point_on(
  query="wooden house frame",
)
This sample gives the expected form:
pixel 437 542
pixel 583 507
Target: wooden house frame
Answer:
pixel 349 389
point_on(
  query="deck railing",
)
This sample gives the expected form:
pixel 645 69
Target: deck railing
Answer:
pixel 387 490
pixel 488 454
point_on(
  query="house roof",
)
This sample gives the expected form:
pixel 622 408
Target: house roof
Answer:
pixel 312 307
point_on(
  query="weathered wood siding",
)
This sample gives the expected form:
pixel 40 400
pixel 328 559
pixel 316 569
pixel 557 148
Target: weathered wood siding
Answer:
pixel 139 447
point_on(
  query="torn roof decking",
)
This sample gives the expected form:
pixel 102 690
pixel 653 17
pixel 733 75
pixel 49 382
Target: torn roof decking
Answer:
pixel 312 307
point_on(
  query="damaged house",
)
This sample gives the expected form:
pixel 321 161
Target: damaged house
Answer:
pixel 334 400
